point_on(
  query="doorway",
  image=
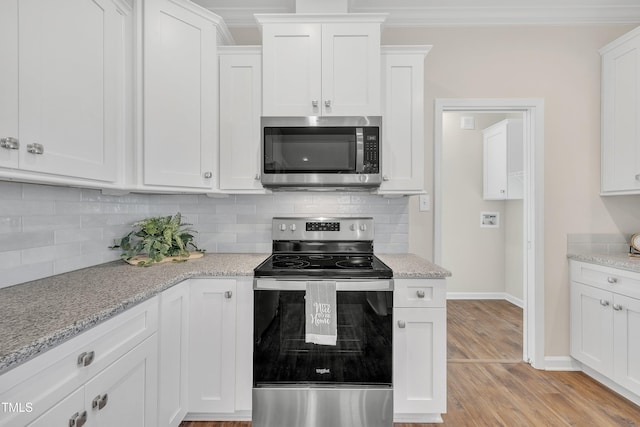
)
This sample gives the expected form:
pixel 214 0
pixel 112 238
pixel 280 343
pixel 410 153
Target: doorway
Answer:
pixel 531 212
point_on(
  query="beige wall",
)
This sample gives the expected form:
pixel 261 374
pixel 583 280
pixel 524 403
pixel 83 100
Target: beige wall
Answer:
pixel 560 64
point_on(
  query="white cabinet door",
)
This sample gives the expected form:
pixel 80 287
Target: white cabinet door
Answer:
pixel 240 110
pixel 173 353
pixel 419 360
pixel 621 115
pixel 592 327
pixel 626 342
pixel 291 70
pixel 65 82
pixel 350 70
pixel 125 394
pixel 495 164
pixel 71 407
pixel 212 343
pixel 403 121
pixel 9 82
pixel 503 163
pixel 314 69
pixel 180 95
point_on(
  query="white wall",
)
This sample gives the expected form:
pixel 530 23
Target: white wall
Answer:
pixel 46 230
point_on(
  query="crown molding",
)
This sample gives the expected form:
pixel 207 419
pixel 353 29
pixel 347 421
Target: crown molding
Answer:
pixel 432 16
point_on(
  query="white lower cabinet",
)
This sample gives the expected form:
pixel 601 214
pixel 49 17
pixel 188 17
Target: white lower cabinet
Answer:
pixel 605 324
pixel 219 348
pixel 172 355
pixel 106 376
pixel 419 350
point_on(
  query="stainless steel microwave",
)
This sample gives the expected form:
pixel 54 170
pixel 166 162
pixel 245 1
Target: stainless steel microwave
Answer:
pixel 329 153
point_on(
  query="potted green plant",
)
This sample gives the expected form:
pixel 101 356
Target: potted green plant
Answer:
pixel 158 239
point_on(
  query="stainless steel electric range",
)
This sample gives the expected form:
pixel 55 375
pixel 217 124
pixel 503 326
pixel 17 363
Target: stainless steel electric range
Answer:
pixel 303 384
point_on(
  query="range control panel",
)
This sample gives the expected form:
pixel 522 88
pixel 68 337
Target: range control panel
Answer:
pixel 316 229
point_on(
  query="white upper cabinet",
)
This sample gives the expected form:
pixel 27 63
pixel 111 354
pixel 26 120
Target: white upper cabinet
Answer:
pixel 503 160
pixel 63 83
pixel 180 82
pixel 403 119
pixel 621 115
pixel 315 65
pixel 240 107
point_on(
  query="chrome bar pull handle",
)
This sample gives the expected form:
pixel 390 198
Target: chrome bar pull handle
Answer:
pixel 9 143
pixel 314 103
pixel 420 293
pixel 617 307
pixel 604 303
pixel 612 280
pixel 208 175
pixel 228 294
pixel 327 103
pixel 401 324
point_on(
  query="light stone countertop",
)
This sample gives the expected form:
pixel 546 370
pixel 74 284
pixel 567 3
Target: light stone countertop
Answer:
pixel 36 316
pixel 618 260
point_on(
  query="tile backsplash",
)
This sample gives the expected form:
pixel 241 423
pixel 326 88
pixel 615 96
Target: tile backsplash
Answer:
pixel 585 243
pixel 47 230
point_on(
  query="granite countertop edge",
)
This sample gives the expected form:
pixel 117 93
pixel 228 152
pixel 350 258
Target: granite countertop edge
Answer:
pixel 617 260
pixel 212 265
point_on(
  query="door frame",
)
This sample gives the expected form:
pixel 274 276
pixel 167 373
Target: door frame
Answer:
pixel 533 115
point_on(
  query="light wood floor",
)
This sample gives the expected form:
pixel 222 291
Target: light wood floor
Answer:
pixel 489 385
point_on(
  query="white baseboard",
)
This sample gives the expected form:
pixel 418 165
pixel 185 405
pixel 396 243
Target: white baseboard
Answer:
pixel 561 363
pixel 486 295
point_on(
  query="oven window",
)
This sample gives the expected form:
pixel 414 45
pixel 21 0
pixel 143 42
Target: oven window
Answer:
pixel 310 150
pixel 362 355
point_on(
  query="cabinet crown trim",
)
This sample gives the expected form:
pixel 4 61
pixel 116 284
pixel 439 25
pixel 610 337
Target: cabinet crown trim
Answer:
pixel 418 49
pixel 316 18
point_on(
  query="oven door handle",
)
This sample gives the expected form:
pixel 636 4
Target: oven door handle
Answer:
pixel 341 285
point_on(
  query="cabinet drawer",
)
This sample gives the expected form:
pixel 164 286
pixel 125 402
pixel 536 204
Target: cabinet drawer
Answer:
pixel 607 278
pixel 44 380
pixel 419 293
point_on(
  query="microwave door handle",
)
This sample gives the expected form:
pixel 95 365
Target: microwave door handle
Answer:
pixel 359 150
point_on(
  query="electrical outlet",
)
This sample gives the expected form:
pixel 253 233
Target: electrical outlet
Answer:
pixel 425 203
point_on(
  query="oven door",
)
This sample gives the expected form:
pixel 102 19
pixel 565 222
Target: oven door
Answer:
pixel 362 355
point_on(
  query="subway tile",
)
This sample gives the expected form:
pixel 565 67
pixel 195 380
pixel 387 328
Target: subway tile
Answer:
pixel 77 235
pixel 50 192
pixel 10 224
pixel 10 259
pixel 50 253
pixel 64 265
pixel 50 222
pixel 27 207
pixel 211 218
pixel 25 273
pixel 16 241
pixel 10 190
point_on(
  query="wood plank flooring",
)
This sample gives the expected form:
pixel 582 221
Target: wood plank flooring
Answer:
pixel 489 385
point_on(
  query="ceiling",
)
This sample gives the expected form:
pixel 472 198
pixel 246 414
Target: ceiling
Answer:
pixel 239 13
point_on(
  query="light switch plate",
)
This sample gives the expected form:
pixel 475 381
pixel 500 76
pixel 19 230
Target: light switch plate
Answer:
pixel 425 203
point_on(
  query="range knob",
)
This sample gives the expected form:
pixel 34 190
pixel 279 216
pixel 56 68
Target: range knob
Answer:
pixel 353 227
pixel 293 227
pixel 283 227
pixel 363 227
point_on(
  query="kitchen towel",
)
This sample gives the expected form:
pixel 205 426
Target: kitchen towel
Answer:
pixel 320 311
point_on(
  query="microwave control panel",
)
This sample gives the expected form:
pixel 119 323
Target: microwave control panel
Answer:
pixel 371 150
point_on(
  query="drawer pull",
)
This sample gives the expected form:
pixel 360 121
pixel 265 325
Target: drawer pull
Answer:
pixel 612 280
pixel 100 402
pixel 604 303
pixel 78 419
pixel 420 294
pixel 228 294
pixel 401 324
pixel 617 307
pixel 86 358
